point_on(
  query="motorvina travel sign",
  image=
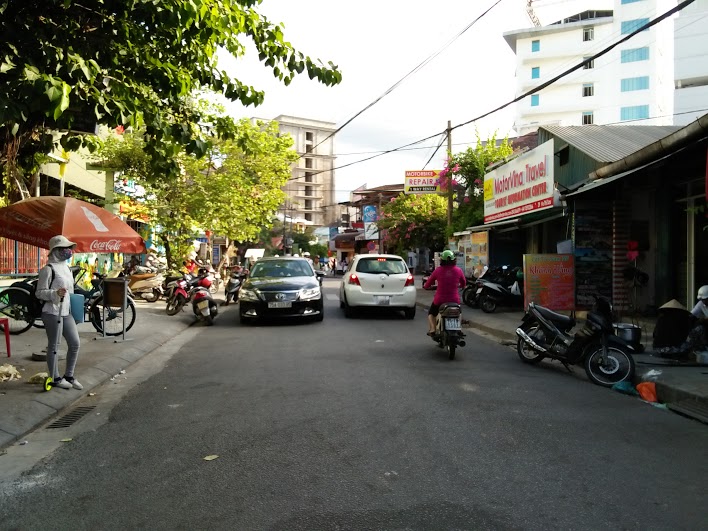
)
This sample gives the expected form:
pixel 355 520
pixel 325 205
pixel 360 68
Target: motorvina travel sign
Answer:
pixel 520 186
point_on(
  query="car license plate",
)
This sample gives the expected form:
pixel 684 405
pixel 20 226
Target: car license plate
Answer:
pixel 203 305
pixel 382 300
pixel 286 304
pixel 479 291
pixel 452 323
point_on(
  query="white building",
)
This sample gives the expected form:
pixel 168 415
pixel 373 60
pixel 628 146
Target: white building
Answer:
pixel 634 81
pixel 311 189
pixel 691 63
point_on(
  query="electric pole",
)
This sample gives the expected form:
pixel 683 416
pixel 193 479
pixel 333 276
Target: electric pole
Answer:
pixel 449 176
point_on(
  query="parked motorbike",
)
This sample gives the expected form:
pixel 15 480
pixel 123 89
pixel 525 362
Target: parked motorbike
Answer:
pixel 508 291
pixel 607 358
pixel 146 286
pixel 426 276
pixel 178 292
pixel 448 328
pixel 233 285
pixel 470 295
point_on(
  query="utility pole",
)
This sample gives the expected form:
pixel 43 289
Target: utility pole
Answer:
pixel 378 229
pixel 450 190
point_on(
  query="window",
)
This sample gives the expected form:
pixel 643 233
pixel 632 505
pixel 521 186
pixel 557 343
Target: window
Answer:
pixel 308 163
pixel 635 83
pixel 590 64
pixel 564 155
pixel 635 54
pixel 535 72
pixel 308 148
pixel 310 136
pixel 536 46
pixel 308 204
pixel 638 112
pixel 308 177
pixel 588 34
pixel 588 118
pixel 628 26
pixel 534 100
pixel 308 190
pixel 588 90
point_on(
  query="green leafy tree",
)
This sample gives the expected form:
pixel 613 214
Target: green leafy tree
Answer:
pixel 233 191
pixel 414 221
pixel 468 169
pixel 129 63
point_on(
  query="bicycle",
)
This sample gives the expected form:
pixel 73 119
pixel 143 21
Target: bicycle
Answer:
pixel 18 305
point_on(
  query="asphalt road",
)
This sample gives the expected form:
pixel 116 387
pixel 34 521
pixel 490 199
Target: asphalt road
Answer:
pixel 365 424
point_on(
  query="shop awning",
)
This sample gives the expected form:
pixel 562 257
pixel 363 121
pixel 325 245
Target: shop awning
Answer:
pixel 495 225
pixel 527 220
pixel 347 236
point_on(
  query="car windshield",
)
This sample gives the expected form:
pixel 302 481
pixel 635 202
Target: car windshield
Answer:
pixel 281 268
pixel 390 266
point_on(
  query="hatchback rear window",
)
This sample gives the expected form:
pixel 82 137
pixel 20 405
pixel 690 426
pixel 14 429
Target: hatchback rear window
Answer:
pixel 390 266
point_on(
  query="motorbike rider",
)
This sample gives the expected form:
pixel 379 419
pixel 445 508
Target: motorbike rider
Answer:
pixel 450 279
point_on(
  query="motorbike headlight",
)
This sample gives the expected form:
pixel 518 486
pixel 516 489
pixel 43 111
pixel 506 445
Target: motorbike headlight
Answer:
pixel 309 294
pixel 249 295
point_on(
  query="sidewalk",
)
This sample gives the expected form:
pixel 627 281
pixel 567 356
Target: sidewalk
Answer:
pixel 682 388
pixel 25 406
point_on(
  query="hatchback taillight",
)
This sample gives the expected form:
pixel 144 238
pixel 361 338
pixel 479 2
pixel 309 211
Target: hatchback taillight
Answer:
pixel 353 279
pixel 410 281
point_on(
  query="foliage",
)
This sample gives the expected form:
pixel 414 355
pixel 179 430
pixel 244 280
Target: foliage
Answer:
pixel 414 221
pixel 65 64
pixel 233 191
pixel 468 169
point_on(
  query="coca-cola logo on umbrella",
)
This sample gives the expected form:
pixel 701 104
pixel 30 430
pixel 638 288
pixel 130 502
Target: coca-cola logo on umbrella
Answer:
pixel 111 246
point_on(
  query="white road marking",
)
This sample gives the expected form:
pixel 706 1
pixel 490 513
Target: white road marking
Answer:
pixel 332 297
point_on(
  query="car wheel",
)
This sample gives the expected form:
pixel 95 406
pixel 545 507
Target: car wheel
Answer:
pixel 410 313
pixel 243 319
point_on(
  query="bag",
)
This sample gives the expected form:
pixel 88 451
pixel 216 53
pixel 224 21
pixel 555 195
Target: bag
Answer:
pixel 76 301
pixel 35 304
pixel 647 390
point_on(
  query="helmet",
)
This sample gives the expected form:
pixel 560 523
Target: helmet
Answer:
pixel 702 292
pixel 447 256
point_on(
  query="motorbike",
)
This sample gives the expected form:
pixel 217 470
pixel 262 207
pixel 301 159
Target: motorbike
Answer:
pixel 233 285
pixel 203 304
pixel 426 276
pixel 178 292
pixel 607 358
pixel 448 328
pixel 146 285
pixel 507 291
pixel 470 295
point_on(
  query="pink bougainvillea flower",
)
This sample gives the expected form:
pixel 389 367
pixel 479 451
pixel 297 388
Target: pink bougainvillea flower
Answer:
pixel 478 181
pixel 456 168
pixel 466 200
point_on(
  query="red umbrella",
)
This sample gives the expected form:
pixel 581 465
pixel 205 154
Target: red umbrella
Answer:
pixel 94 229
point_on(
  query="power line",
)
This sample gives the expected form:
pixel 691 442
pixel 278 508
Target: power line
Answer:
pixel 416 69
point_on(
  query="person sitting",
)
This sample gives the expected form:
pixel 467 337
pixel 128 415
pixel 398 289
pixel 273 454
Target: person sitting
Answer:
pixel 450 279
pixel 697 338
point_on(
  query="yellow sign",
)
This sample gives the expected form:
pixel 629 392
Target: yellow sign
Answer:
pixel 422 182
pixel 488 190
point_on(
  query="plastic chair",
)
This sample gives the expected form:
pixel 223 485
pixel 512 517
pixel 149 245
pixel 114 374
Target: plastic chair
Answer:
pixel 5 323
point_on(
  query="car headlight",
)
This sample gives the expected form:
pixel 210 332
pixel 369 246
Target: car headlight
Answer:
pixel 309 294
pixel 249 295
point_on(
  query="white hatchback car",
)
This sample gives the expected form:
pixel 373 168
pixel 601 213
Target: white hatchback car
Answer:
pixel 378 280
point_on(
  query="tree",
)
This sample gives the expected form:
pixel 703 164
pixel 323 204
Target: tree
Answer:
pixel 233 191
pixel 65 64
pixel 414 221
pixel 469 168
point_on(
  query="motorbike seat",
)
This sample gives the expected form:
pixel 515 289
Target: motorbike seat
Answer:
pixel 553 316
pixel 141 276
pixel 444 306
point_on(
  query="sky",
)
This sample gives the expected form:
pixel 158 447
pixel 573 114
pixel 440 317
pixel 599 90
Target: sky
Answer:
pixel 375 44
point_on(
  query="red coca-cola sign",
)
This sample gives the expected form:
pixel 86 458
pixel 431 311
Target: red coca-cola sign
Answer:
pixel 106 246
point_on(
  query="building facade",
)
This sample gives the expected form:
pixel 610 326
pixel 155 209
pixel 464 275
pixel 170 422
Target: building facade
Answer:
pixel 634 81
pixel 691 66
pixel 311 191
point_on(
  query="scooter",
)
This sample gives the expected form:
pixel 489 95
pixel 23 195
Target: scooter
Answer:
pixel 178 292
pixel 203 305
pixel 448 328
pixel 233 285
pixel 607 358
pixel 146 286
pixel 508 292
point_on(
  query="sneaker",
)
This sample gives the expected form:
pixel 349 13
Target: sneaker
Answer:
pixel 73 382
pixel 61 382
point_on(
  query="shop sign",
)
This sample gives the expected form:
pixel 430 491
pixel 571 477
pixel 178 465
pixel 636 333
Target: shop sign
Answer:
pixel 422 182
pixel 369 214
pixel 549 281
pixel 523 185
pixel 477 253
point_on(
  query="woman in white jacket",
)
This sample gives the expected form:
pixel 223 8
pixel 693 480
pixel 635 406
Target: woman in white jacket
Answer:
pixel 54 283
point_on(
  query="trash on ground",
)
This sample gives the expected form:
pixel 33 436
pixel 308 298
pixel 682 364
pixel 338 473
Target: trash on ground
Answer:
pixel 66 440
pixel 38 378
pixel 8 373
pixel 22 443
pixel 652 374
pixel 625 387
pixel 647 390
pixel 211 457
pixel 122 372
pixel 92 394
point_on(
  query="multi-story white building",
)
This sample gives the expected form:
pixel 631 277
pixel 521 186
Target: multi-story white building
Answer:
pixel 691 63
pixel 310 191
pixel 634 81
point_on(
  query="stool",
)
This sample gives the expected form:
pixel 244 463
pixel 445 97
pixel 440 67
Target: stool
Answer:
pixel 5 323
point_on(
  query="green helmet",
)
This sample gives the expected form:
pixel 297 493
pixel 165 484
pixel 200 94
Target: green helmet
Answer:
pixel 447 255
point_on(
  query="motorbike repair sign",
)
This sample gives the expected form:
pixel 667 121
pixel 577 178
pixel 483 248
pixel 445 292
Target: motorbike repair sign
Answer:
pixel 522 185
pixel 549 280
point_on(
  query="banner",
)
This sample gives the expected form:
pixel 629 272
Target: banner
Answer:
pixel 549 280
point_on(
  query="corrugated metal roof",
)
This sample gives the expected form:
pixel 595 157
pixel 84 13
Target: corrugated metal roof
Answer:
pixel 610 143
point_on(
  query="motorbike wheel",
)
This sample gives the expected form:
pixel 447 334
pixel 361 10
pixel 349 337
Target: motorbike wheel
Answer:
pixel 451 347
pixel 469 298
pixel 487 304
pixel 609 367
pixel 152 297
pixel 526 353
pixel 209 320
pixel 174 306
pixel 214 287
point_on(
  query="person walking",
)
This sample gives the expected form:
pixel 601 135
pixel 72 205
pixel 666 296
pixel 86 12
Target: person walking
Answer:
pixel 450 279
pixel 54 285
